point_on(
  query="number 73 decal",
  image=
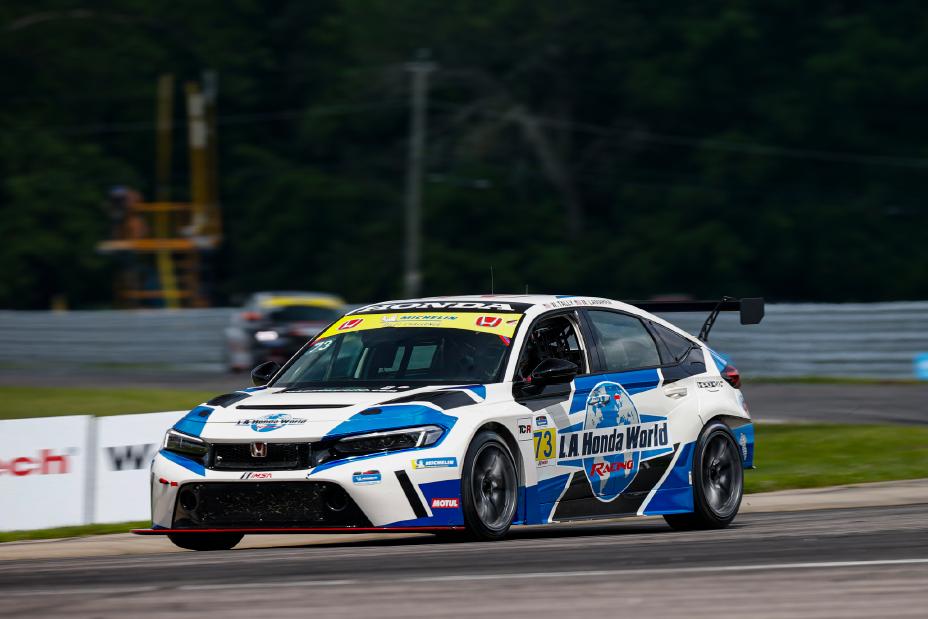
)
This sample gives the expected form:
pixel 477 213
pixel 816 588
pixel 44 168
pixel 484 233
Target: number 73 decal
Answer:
pixel 545 444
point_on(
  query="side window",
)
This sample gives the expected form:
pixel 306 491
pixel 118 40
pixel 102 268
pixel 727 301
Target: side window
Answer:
pixel 551 338
pixel 625 342
pixel 674 343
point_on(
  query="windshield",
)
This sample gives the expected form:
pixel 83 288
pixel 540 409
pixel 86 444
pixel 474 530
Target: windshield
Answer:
pixel 405 349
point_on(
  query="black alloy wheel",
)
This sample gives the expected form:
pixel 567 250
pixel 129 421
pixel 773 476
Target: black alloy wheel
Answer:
pixel 718 481
pixel 490 486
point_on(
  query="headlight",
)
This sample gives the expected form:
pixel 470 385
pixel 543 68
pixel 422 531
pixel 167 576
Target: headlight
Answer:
pixel 380 442
pixel 181 443
pixel 266 336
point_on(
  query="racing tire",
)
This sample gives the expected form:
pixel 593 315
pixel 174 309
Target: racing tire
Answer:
pixel 718 482
pixel 489 487
pixel 206 541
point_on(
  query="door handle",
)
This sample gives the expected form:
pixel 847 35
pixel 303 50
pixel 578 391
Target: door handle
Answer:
pixel 675 392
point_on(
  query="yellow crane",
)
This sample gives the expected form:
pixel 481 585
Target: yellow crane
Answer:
pixel 163 242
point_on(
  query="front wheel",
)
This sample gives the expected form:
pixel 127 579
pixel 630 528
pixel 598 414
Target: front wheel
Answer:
pixel 718 482
pixel 206 541
pixel 489 486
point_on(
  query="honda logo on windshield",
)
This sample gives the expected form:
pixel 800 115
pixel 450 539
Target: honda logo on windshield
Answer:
pixel 259 450
pixel 489 321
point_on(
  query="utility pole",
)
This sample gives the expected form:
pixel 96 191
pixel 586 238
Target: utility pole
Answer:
pixel 420 69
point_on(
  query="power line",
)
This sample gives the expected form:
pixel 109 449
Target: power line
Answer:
pixel 749 148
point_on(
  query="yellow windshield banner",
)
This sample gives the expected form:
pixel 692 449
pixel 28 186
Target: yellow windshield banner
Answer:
pixel 500 324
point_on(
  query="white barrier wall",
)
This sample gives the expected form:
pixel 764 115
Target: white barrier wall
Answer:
pixel 125 446
pixel 44 473
pixel 61 471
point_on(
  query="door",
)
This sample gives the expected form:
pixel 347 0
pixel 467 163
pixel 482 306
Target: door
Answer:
pixel 615 444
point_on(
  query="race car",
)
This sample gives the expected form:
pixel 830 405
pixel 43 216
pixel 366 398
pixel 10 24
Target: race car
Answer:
pixel 272 326
pixel 467 415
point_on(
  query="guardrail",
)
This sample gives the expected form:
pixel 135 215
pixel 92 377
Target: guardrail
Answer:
pixel 855 339
pixel 865 340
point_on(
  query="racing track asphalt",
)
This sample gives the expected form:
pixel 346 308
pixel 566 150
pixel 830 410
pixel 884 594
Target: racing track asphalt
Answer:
pixel 862 562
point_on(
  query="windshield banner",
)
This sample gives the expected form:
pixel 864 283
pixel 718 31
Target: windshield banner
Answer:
pixel 499 324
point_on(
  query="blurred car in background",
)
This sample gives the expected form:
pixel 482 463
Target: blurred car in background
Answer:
pixel 273 326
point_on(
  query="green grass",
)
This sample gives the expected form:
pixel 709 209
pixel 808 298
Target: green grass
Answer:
pixel 76 531
pixel 20 402
pixel 816 455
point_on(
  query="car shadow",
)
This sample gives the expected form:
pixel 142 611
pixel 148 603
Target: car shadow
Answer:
pixel 555 531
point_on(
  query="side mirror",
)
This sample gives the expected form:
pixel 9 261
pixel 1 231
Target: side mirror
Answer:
pixel 263 373
pixel 554 372
pixel 548 372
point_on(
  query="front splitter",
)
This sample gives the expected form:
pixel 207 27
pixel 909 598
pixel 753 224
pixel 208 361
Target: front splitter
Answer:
pixel 301 530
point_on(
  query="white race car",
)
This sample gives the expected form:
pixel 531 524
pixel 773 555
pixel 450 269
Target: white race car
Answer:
pixel 467 414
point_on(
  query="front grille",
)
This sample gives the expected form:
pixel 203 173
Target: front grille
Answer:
pixel 265 504
pixel 280 457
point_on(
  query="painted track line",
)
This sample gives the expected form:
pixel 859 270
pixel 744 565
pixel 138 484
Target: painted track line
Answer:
pixel 820 565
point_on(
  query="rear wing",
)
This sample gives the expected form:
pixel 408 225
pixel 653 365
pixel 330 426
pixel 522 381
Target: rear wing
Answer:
pixel 751 310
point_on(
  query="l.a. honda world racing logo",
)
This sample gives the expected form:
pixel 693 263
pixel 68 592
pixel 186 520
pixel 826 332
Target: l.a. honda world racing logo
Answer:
pixel 489 321
pixel 612 443
pixel 609 406
pixel 350 324
pixel 271 422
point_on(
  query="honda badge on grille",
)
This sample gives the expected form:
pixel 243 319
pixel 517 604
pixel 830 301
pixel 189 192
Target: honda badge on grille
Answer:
pixel 259 450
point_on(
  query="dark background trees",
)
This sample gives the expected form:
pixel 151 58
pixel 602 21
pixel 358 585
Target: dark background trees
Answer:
pixel 623 149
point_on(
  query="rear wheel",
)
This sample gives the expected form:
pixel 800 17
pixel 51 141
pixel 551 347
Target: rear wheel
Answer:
pixel 490 487
pixel 718 482
pixel 206 541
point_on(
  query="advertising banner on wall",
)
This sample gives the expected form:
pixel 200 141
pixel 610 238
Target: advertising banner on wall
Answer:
pixel 44 472
pixel 125 446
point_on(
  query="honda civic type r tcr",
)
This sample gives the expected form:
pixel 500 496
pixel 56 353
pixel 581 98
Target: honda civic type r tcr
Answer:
pixel 467 414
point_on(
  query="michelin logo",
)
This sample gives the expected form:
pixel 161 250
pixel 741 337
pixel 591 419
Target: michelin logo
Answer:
pixel 435 463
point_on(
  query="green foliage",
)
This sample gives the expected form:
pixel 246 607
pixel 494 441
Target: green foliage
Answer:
pixel 727 147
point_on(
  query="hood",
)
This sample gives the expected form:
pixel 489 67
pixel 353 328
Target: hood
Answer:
pixel 276 415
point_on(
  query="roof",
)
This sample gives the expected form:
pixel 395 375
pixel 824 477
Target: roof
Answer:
pixel 518 302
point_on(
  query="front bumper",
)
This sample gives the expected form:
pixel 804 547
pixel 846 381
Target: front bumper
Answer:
pixel 386 491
